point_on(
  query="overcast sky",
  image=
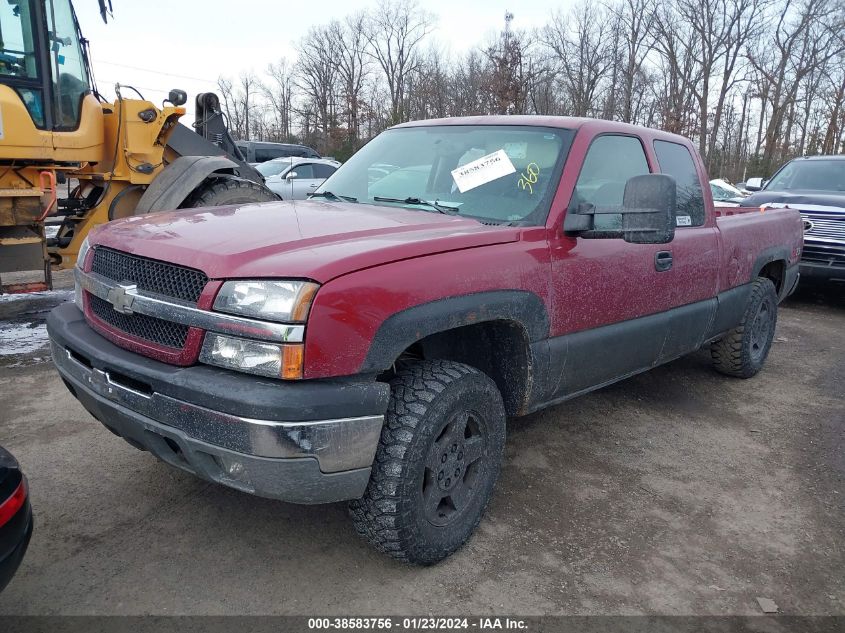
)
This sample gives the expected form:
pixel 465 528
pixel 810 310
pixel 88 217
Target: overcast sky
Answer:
pixel 157 45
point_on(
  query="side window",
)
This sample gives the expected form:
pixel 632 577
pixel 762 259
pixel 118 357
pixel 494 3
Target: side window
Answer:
pixel 263 154
pixel 17 44
pixel 323 171
pixel 610 161
pixel 244 147
pixel 675 160
pixel 303 171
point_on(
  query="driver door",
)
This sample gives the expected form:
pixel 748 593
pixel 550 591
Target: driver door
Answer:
pixel 606 291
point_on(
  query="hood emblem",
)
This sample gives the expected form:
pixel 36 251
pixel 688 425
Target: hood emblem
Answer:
pixel 808 225
pixel 121 297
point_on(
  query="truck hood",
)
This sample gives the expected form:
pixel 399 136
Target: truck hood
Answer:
pixel 798 199
pixel 310 239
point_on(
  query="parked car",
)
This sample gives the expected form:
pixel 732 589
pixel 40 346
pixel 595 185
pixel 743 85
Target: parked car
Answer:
pixel 725 194
pixel 815 186
pixel 296 178
pixel 15 517
pixel 260 151
pixel 368 344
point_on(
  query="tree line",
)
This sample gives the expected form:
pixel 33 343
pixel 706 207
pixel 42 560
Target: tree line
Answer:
pixel 752 82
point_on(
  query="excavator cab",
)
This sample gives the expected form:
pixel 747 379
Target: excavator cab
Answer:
pixel 123 158
pixel 42 60
pixel 50 123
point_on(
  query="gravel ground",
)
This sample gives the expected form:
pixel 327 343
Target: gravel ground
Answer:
pixel 676 492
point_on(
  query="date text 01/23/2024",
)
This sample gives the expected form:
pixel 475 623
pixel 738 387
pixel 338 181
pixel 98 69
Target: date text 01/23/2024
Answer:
pixel 418 624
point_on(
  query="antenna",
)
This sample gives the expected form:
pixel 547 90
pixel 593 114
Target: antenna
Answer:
pixel 508 20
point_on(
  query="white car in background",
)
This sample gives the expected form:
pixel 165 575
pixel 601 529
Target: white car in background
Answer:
pixel 725 194
pixel 295 178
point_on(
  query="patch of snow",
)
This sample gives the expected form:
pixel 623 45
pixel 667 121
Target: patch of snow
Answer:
pixel 61 295
pixel 28 362
pixel 22 338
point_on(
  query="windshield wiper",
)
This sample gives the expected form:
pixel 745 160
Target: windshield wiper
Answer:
pixel 333 196
pixel 441 208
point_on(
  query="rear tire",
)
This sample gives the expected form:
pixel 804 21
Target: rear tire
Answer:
pixel 743 350
pixel 218 192
pixel 437 461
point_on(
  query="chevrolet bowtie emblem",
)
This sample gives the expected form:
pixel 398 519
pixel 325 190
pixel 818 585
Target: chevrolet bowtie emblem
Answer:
pixel 122 296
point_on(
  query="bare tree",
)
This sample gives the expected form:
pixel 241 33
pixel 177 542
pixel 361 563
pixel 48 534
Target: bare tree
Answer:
pixel 353 67
pixel 807 35
pixel 578 41
pixel 395 30
pixel 753 82
pixel 317 75
pixel 634 23
pixel 279 94
pixel 680 70
pixel 239 102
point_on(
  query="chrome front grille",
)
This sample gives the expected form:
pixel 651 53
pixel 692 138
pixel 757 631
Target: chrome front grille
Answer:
pixel 824 238
pixel 140 326
pixel 168 280
pixel 824 225
pixel 161 279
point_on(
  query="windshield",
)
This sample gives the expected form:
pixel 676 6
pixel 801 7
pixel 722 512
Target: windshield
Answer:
pixel 818 175
pixel 722 194
pixel 272 167
pixel 503 173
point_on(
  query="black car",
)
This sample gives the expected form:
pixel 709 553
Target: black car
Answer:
pixel 262 151
pixel 815 186
pixel 15 517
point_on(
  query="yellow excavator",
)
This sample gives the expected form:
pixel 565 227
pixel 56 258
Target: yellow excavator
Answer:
pixel 69 155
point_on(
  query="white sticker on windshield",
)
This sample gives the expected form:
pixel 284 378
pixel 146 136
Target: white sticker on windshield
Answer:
pixel 484 170
pixel 683 220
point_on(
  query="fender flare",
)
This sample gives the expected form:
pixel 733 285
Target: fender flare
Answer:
pixel 402 329
pixel 769 255
pixel 178 180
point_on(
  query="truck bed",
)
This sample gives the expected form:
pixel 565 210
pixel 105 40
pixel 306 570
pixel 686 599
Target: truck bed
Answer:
pixel 752 237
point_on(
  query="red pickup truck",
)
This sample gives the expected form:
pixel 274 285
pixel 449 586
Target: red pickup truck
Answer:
pixel 368 344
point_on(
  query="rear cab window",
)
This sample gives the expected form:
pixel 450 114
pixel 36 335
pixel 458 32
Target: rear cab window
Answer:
pixel 675 160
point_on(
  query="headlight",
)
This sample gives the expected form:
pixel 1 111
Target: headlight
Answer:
pixel 80 263
pixel 83 251
pixel 285 301
pixel 253 357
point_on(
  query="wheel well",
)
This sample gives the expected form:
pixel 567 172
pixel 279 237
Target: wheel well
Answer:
pixel 498 348
pixel 776 272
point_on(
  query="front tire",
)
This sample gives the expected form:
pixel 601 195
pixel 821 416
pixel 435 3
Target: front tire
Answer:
pixel 218 192
pixel 437 462
pixel 743 350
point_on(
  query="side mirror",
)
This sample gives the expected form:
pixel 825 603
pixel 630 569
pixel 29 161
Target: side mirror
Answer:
pixel 754 184
pixel 290 175
pixel 648 213
pixel 648 209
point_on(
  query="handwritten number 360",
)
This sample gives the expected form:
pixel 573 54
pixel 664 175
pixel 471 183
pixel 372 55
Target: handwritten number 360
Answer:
pixel 528 177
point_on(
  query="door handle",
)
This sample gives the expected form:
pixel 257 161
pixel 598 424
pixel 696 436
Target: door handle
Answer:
pixel 662 261
pixel 313 186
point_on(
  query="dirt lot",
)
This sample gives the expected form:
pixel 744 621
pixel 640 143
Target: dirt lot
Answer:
pixel 676 492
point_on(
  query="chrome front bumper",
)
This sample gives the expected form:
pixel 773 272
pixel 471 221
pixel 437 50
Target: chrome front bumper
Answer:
pixel 338 444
